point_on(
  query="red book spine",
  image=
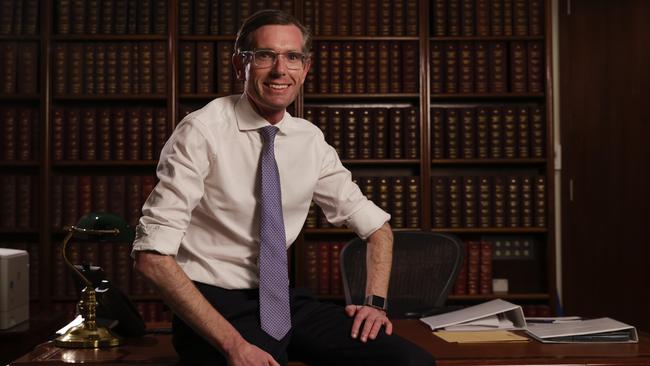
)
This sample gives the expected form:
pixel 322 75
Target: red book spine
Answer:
pixel 485 272
pixel 473 267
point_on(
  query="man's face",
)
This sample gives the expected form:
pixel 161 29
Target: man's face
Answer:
pixel 272 89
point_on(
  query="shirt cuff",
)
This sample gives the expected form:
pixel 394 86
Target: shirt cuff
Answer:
pixel 157 238
pixel 367 220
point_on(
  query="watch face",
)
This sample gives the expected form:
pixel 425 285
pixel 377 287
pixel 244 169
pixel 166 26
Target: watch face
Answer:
pixel 376 301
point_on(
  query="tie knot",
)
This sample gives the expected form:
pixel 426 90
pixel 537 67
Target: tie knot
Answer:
pixel 268 133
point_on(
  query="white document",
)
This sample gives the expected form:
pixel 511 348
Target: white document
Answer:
pixel 491 315
pixel 601 330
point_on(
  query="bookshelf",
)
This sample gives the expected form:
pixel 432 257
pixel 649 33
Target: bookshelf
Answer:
pixel 444 123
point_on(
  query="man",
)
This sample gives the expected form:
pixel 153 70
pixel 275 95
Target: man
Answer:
pixel 237 177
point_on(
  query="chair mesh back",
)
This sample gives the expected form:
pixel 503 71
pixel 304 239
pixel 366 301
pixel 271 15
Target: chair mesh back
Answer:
pixel 425 267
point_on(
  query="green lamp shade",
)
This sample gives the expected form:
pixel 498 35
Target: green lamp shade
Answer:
pixel 103 227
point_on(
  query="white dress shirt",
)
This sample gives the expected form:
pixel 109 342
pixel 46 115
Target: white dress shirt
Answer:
pixel 205 208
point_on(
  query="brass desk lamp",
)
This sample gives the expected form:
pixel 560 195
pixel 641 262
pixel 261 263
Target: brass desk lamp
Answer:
pixel 98 227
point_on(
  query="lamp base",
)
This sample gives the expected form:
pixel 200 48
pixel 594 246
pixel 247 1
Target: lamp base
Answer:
pixel 82 336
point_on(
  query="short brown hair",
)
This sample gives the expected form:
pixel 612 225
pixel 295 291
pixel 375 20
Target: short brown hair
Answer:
pixel 269 17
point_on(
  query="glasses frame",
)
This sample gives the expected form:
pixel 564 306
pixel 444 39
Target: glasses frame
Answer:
pixel 276 56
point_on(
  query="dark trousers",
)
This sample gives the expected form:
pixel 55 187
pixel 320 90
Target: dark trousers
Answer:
pixel 320 334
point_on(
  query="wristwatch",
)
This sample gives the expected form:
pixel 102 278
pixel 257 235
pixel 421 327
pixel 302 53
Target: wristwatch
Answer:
pixel 376 302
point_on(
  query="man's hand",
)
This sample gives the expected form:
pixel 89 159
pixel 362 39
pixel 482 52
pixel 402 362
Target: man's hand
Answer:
pixel 246 354
pixel 371 318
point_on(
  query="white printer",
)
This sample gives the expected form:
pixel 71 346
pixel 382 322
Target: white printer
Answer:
pixel 14 287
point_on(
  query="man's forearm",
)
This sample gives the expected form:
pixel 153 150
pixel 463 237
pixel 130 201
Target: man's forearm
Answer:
pixel 379 258
pixel 186 301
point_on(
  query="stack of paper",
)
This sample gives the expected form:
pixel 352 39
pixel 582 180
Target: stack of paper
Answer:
pixel 492 315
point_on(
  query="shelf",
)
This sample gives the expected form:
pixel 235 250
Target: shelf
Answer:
pixel 522 296
pixel 19 164
pixel 381 161
pixel 485 96
pixel 110 37
pixel 19 97
pixel 486 38
pixel 518 230
pixel 203 97
pixel 206 37
pixel 388 96
pixel 345 231
pixel 366 38
pixel 111 97
pixel 488 161
pixel 19 37
pixel 100 164
pixel 18 231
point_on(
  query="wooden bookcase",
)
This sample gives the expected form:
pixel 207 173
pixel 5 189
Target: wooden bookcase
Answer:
pixel 183 61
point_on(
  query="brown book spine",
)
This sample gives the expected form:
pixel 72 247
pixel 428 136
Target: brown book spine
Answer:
pixel 24 133
pixel 455 202
pixel 482 133
pixel 323 67
pixel 509 133
pixel 324 267
pixel 452 133
pixel 410 79
pixel 100 194
pixel 187 68
pixel 384 67
pixel 56 200
pixel 527 205
pixel 6 17
pixel 70 200
pixel 396 67
pixel 336 131
pixel 413 202
pixel 365 133
pixel 518 67
pixel 107 15
pixel 411 133
pixel 117 189
pixel 335 68
pixel 482 9
pixel 372 14
pixel 145 9
pixel 58 138
pixel 75 69
pixel 323 121
pixel 467 18
pixel 63 9
pixel 122 268
pixel 460 287
pixel 309 15
pixel 498 67
pixel 133 199
pixel 485 272
pixel 85 185
pixel 484 202
pixel 100 69
pixel 9 204
pixel 380 149
pixel 437 68
pixel 159 69
pixel 499 202
pixel 201 17
pixel 513 202
pixel 342 17
pixel 396 133
pixel 470 198
pixel 104 143
pixel 347 68
pixel 121 16
pixel 327 19
pixel 160 130
pixel 451 67
pixel 92 16
pixel 119 134
pixel 147 134
pixel 9 125
pixel 351 126
pixel 358 18
pixel 312 216
pixel 440 198
pixel 411 18
pixel 89 87
pixel 468 135
pixel 336 282
pixel 399 18
pixel 540 201
pixel 311 81
pixel 359 67
pixel 453 18
pixel 88 134
pixel 382 198
pixel 385 18
pixel 78 16
pixel 160 17
pixel 523 132
pixel 310 274
pixel 24 202
pixel 397 202
pixel 59 71
pixel 135 68
pixel 185 17
pixel 520 17
pixel 205 67
pixel 473 267
pixel 111 69
pixel 133 134
pixel 536 18
pixel 535 67
pixel 132 16
pixel 367 186
pixel 466 67
pixel 372 67
pixel 538 135
pixel 437 133
pixel 27 77
pixel 496 18
pixel 507 18
pixel 496 133
pixel 71 128
pixel 439 23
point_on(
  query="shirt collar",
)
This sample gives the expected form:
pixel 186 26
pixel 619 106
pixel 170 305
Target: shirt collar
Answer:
pixel 248 119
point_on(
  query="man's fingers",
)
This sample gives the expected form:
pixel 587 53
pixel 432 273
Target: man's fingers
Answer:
pixel 389 328
pixel 351 310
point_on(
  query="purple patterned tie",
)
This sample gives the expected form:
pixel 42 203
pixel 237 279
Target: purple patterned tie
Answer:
pixel 275 313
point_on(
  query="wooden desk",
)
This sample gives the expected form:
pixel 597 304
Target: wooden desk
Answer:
pixel 156 350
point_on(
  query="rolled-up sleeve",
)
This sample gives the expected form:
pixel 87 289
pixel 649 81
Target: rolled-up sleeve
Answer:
pixel 342 201
pixel 182 168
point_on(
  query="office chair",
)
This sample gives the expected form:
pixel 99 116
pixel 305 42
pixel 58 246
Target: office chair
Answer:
pixel 425 267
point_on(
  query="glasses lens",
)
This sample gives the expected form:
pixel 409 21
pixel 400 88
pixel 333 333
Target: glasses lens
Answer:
pixel 268 58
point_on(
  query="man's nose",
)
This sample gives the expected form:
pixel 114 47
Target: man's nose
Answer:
pixel 280 65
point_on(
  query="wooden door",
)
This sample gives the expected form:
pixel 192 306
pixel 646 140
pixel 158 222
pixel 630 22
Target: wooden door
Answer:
pixel 605 135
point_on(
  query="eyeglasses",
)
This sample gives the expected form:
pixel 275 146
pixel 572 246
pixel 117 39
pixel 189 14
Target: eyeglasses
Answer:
pixel 267 58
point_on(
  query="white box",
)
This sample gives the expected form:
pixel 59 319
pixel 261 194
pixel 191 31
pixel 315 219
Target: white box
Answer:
pixel 14 287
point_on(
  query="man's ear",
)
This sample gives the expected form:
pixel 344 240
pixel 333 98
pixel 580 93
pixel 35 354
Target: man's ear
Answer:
pixel 239 66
